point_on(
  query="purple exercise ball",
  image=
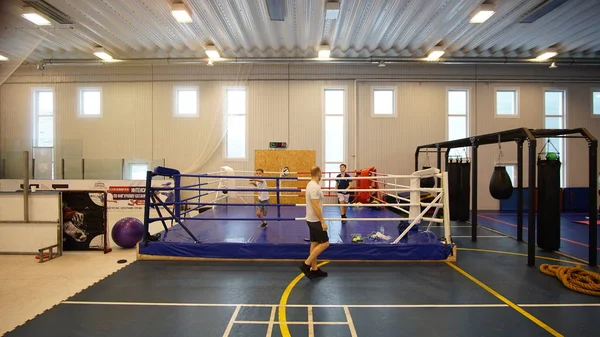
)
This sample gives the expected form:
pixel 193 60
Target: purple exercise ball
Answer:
pixel 127 232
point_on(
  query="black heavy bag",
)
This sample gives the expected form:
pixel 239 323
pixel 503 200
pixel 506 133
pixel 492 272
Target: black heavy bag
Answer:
pixel 548 217
pixel 459 190
pixel 500 185
pixel 427 182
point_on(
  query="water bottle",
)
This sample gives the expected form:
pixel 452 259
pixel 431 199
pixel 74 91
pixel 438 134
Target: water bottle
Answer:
pixel 382 230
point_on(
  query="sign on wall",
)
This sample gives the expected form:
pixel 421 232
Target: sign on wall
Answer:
pixel 84 220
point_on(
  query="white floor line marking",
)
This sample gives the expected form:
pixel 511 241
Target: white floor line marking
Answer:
pixel 311 327
pixel 474 305
pixel 350 322
pixel 291 323
pixel 230 325
pixel 271 321
pixel 481 236
pixel 163 304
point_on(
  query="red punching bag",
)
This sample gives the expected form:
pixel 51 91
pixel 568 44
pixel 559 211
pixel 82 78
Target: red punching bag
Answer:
pixel 501 186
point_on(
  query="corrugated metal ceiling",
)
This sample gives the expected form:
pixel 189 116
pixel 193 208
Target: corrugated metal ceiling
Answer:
pixel 135 29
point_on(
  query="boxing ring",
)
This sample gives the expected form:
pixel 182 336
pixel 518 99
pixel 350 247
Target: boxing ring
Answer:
pixel 215 218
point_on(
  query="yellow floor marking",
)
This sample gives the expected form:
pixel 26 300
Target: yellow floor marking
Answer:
pixel 285 332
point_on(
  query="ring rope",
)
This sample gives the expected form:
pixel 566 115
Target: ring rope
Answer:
pixel 575 278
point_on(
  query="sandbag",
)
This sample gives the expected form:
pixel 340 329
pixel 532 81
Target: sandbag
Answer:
pixel 427 182
pixel 500 184
pixel 548 217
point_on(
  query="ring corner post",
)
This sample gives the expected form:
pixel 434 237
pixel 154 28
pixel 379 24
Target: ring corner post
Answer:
pixel 147 200
pixel 446 206
pixel 177 195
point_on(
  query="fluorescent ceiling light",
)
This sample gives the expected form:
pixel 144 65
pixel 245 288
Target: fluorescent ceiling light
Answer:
pixel 550 53
pixel 181 12
pixel 212 53
pixel 102 54
pixel 332 10
pixel 435 53
pixel 482 13
pixel 324 52
pixel 3 58
pixel 34 16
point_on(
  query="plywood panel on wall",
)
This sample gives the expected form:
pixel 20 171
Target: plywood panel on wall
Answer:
pixel 294 160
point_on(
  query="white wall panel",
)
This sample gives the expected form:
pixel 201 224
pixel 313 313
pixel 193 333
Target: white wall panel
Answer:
pixel 285 103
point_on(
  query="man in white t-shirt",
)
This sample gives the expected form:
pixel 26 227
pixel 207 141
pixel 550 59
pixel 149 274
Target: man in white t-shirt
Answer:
pixel 263 197
pixel 319 240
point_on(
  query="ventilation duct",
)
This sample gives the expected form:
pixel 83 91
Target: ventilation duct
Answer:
pixel 50 11
pixel 541 10
pixel 276 9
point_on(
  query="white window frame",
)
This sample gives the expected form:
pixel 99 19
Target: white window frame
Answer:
pixel 80 105
pixel 35 110
pixel 517 102
pixel 394 101
pixel 345 127
pixel 563 154
pixel 176 89
pixel 592 91
pixel 226 120
pixel 467 114
pixel 36 116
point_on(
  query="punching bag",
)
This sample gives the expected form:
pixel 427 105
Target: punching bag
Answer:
pixel 427 182
pixel 548 217
pixel 500 185
pixel 459 190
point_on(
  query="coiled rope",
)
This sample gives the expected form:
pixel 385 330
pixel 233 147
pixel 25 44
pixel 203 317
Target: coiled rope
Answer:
pixel 575 278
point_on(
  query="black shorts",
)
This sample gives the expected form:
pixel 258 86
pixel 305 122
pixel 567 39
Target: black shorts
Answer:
pixel 317 234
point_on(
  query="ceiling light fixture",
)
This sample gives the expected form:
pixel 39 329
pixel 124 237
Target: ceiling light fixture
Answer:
pixel 553 65
pixel 31 14
pixel 549 53
pixel 210 63
pixel 102 54
pixel 324 52
pixel 332 10
pixel 3 58
pixel 436 53
pixel 381 64
pixel 181 12
pixel 212 53
pixel 482 13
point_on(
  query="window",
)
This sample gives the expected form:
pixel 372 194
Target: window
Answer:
pixel 43 133
pixel 335 136
pixel 235 108
pixel 138 171
pixel 458 113
pixel 554 118
pixel 511 169
pixel 90 102
pixel 135 169
pixel 185 101
pixel 384 102
pixel 596 103
pixel 507 103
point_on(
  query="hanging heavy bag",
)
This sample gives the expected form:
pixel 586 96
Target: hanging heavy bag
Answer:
pixel 427 182
pixel 548 217
pixel 500 185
